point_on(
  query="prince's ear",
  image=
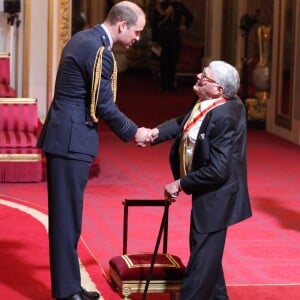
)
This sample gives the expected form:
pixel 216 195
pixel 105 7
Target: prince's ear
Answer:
pixel 122 26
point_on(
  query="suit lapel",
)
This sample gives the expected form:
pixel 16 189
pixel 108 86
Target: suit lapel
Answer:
pixel 204 123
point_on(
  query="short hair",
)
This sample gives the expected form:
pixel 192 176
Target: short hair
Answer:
pixel 227 76
pixel 124 11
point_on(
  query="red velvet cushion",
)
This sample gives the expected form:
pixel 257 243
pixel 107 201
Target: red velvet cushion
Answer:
pixel 17 139
pixel 136 266
pixel 18 117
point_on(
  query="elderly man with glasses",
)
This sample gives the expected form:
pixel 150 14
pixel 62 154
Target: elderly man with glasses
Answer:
pixel 208 161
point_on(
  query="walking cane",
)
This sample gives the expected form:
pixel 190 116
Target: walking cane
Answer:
pixel 161 229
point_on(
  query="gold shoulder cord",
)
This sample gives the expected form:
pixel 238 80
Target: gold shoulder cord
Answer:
pixel 114 77
pixel 96 82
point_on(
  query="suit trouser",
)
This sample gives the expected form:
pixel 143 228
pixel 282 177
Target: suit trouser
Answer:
pixel 67 179
pixel 204 278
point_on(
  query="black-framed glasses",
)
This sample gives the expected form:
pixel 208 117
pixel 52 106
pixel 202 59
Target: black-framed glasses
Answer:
pixel 203 76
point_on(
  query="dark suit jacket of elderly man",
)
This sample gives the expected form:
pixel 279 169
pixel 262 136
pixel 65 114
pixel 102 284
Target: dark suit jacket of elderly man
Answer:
pixel 69 130
pixel 218 180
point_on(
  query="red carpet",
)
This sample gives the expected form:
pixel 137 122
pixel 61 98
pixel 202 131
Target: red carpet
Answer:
pixel 262 256
pixel 24 253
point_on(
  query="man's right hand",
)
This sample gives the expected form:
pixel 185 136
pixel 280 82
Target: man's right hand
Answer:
pixel 145 135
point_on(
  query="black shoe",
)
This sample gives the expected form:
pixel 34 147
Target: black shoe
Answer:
pixel 83 295
pixel 90 295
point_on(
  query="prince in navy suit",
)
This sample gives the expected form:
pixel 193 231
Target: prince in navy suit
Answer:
pixel 208 161
pixel 85 91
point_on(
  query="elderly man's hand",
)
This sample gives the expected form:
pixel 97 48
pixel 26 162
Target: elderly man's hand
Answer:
pixel 172 190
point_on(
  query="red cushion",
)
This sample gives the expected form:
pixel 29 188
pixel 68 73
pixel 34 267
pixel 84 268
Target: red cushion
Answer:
pixel 17 139
pixel 19 117
pixel 136 266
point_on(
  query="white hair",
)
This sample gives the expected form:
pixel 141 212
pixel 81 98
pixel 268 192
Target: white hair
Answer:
pixel 227 76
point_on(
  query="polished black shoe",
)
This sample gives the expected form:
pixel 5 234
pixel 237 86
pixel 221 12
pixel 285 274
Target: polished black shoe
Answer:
pixel 83 295
pixel 90 295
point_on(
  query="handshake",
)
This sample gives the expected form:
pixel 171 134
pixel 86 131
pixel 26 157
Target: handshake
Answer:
pixel 145 135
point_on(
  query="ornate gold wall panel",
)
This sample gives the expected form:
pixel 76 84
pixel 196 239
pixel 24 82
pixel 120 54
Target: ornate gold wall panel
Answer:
pixel 64 23
pixel 59 31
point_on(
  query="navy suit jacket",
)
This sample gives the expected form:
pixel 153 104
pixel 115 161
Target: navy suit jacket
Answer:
pixel 68 130
pixel 218 180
